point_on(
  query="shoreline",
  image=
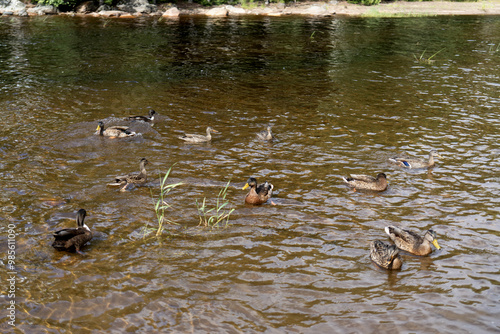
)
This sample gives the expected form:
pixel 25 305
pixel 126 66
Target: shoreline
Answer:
pixel 331 8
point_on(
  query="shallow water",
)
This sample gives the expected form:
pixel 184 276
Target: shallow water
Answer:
pixel 343 95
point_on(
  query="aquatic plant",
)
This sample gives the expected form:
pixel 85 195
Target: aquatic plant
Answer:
pixel 220 213
pixel 494 48
pixel 427 61
pixel 161 205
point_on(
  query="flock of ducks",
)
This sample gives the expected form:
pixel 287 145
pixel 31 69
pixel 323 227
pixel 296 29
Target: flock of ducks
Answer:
pixel 383 254
pixel 387 256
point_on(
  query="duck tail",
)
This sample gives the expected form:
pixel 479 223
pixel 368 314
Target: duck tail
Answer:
pixel 347 179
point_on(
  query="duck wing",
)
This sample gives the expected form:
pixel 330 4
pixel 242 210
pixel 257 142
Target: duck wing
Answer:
pixel 194 138
pixel 364 178
pixel 139 118
pixel 400 236
pixel 384 254
pixel 265 189
pixel 68 233
pixel 68 239
pixel 411 162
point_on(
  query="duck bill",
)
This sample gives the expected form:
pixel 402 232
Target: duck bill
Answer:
pixel 435 243
pixel 98 128
pixel 246 186
pixel 214 131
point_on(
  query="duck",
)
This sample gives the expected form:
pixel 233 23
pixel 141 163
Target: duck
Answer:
pixel 367 182
pixel 148 118
pixel 114 131
pixel 133 178
pixel 73 239
pixel 258 194
pixel 411 242
pixel 415 162
pixel 266 135
pixel 199 138
pixel 385 255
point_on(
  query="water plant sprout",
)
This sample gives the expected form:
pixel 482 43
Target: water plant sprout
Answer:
pixel 427 61
pixel 161 205
pixel 220 213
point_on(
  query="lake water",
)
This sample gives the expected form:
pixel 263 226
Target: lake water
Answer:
pixel 342 96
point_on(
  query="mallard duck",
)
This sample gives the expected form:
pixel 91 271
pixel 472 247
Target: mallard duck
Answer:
pixel 416 163
pixel 199 138
pixel 133 178
pixel 366 182
pixel 385 255
pixel 266 134
pixel 149 118
pixel 258 194
pixel 411 242
pixel 114 131
pixel 72 239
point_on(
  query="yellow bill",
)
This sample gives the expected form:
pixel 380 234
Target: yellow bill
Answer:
pixel 435 243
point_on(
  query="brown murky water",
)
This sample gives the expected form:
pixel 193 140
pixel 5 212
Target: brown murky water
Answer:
pixel 342 95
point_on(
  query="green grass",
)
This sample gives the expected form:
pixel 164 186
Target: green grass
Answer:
pixel 218 215
pixel 161 206
pixel 249 4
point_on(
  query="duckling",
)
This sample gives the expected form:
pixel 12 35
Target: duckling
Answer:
pixel 416 163
pixel 199 138
pixel 148 118
pixel 366 182
pixel 266 135
pixel 411 242
pixel 385 255
pixel 72 239
pixel 258 194
pixel 114 131
pixel 133 178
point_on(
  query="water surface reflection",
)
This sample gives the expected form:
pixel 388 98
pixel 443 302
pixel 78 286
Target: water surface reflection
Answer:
pixel 342 95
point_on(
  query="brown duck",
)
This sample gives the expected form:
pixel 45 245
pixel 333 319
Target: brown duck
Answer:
pixel 266 135
pixel 415 162
pixel 367 182
pixel 149 118
pixel 133 178
pixel 114 131
pixel 258 194
pixel 194 138
pixel 385 255
pixel 411 242
pixel 72 239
